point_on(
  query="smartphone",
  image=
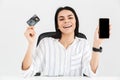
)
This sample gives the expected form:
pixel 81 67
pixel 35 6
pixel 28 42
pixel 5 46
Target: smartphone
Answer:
pixel 104 28
pixel 33 20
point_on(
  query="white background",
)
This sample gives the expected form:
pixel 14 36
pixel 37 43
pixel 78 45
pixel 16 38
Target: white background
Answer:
pixel 15 13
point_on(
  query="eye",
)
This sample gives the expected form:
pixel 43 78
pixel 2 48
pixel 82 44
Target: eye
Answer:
pixel 70 18
pixel 61 19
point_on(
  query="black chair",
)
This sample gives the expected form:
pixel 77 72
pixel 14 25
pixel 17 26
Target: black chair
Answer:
pixel 52 34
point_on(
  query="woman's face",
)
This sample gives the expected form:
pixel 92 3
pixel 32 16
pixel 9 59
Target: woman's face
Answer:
pixel 66 22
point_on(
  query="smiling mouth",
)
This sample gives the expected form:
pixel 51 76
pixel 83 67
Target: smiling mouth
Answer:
pixel 67 26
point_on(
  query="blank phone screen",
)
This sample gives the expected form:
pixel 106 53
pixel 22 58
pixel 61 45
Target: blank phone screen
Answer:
pixel 104 28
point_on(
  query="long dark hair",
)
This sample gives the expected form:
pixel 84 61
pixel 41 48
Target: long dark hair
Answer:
pixel 58 32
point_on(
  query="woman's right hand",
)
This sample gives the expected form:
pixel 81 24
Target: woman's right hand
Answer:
pixel 30 34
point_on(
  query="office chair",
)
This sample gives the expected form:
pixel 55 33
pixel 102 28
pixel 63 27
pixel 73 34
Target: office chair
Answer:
pixel 52 34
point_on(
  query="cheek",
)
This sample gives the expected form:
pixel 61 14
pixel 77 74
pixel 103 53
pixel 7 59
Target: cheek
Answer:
pixel 59 25
pixel 74 23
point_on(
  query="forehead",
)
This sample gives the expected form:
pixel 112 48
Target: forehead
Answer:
pixel 65 13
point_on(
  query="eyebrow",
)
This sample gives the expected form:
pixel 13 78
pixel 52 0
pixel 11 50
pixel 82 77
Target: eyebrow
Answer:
pixel 67 16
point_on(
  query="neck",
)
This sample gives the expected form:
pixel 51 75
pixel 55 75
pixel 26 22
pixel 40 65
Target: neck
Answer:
pixel 67 39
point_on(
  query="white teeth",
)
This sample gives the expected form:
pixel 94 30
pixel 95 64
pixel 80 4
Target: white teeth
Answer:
pixel 67 26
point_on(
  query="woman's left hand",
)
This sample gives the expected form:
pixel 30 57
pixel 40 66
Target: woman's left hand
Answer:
pixel 98 41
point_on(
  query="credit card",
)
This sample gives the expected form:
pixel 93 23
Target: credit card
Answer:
pixel 33 20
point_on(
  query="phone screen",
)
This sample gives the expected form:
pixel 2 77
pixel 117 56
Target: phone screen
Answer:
pixel 104 28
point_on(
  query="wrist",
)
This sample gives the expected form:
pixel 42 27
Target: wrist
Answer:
pixel 31 45
pixel 96 45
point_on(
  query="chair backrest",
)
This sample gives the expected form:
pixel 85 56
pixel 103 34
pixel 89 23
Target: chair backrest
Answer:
pixel 51 34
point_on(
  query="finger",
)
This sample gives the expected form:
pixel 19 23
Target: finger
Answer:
pixel 110 27
pixel 26 34
pixel 32 31
pixel 29 32
pixel 97 30
pixel 96 33
pixel 110 32
pixel 30 27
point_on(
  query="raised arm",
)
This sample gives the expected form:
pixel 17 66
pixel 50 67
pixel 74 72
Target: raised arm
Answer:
pixel 30 35
pixel 96 55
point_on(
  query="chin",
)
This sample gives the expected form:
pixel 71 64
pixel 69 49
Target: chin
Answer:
pixel 68 32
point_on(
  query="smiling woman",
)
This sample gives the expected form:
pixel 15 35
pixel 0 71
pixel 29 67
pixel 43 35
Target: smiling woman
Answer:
pixel 66 22
pixel 64 54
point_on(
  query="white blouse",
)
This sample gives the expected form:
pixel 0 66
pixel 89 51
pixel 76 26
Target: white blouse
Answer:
pixel 51 58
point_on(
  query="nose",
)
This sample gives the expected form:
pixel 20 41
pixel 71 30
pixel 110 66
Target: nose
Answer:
pixel 66 20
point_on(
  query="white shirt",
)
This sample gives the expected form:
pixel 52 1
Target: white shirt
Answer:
pixel 51 58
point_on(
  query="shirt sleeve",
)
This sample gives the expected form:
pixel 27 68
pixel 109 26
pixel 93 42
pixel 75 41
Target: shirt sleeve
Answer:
pixel 86 68
pixel 37 61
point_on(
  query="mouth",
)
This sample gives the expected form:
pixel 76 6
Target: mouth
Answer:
pixel 67 26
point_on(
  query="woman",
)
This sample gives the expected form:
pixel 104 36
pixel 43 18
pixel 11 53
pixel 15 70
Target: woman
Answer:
pixel 63 55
